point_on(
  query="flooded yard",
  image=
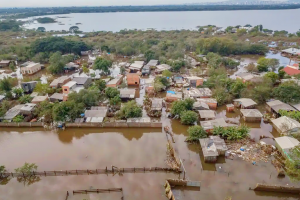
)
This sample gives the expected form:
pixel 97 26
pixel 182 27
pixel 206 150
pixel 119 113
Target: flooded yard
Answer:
pixel 73 149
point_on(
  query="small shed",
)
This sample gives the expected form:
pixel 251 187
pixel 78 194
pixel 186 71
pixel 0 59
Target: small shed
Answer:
pixel 12 113
pixel 57 97
pixel 161 68
pixel 146 70
pixel 244 103
pixel 205 93
pixel 59 82
pixel 39 99
pixel 136 66
pixel 152 63
pixel 208 126
pixel 5 63
pixel 149 85
pixel 133 79
pixel 199 105
pixel 173 96
pixel 157 104
pixel 212 103
pixel 285 125
pixel 96 116
pixel 82 81
pixel 251 115
pixel 28 87
pixel 191 93
pixel 115 82
pixel 285 144
pixel 274 107
pixel 126 93
pixel 28 108
pixel 230 108
pixel 194 81
pixel 207 114
pixel 212 147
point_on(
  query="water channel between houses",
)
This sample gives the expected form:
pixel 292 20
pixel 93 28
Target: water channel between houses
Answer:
pixel 131 147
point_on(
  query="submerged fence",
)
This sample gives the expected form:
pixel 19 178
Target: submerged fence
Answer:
pixel 109 190
pixel 114 170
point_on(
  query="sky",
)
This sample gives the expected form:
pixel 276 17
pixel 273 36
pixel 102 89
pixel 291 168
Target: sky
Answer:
pixel 43 3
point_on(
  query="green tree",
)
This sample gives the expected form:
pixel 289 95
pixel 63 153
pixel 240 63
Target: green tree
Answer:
pixel 43 89
pixel 167 73
pixel 28 178
pixel 18 92
pixel 273 64
pixel 85 70
pixel 188 117
pixel 195 133
pixel 237 87
pixel 102 64
pixel 12 66
pixel 6 85
pixel 292 163
pixel 101 85
pixel 281 73
pixel 130 110
pixel 111 92
pixel 74 29
pixel 149 55
pixel 116 100
pixel 25 99
pixel 288 92
pixel 44 110
pixel 5 106
pixel 67 111
pixel 272 76
pixel 18 118
pixel 86 97
pixel 263 64
pixel 251 67
pixel 180 106
pixel 221 94
pixel 41 29
pixel 57 63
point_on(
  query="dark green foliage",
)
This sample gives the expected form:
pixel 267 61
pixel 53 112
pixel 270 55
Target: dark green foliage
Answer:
pixel 100 84
pixel 86 97
pixel 288 92
pixel 292 114
pixel 292 164
pixel 150 55
pixel 116 100
pixel 111 92
pixel 225 46
pixel 74 29
pixel 18 118
pixel 67 111
pixel 180 106
pixel 102 64
pixel 188 117
pixel 10 25
pixel 45 20
pixel 41 29
pixel 57 63
pixel 130 110
pixel 195 133
pixel 44 109
pixel 25 99
pixel 54 44
pixel 5 106
pixel 6 84
pixel 232 133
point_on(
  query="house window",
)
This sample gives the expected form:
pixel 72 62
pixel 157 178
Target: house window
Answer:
pixel 136 83
pixel 66 90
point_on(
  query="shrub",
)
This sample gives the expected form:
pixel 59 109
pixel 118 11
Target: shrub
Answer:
pixel 111 92
pixel 130 110
pixel 18 118
pixel 25 99
pixel 188 117
pixel 232 133
pixel 195 133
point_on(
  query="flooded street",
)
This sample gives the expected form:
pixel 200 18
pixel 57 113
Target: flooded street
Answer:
pixel 73 149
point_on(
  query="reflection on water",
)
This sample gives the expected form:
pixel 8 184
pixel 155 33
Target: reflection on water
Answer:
pixel 133 147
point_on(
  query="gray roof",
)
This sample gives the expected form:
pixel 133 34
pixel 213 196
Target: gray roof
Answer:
pixel 220 122
pixel 207 100
pixel 114 81
pixel 177 95
pixel 81 80
pixel 5 61
pixel 278 105
pixel 245 75
pixel 58 96
pixel 28 107
pixel 287 143
pixel 162 67
pixel 199 105
pixel 207 114
pixel 156 104
pixel 59 80
pixel 292 51
pixel 246 102
pixel 251 113
pixel 11 113
pixel 127 93
pixel 297 106
pixel 96 113
pixel 140 120
pixel 39 98
pixel 152 63
pixel 210 146
pixel 205 92
pixel 285 124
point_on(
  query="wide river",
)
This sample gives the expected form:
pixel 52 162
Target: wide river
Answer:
pixel 88 22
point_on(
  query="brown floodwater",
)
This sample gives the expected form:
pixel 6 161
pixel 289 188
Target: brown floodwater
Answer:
pixel 131 147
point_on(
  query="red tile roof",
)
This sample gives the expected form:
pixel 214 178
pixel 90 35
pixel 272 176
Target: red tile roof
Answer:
pixel 291 71
pixel 296 65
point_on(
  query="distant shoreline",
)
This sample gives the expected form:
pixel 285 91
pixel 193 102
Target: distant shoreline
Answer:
pixel 19 13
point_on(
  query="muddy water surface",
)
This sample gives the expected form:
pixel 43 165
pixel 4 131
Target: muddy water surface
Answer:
pixel 98 148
